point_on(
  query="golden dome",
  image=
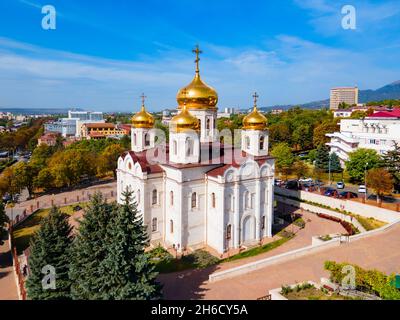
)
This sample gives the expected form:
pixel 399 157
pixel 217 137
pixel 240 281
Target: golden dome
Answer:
pixel 184 121
pixel 143 119
pixel 255 120
pixel 197 94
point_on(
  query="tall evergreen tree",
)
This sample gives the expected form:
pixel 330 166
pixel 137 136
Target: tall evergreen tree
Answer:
pixel 51 246
pixel 128 272
pixel 3 221
pixel 335 163
pixel 391 161
pixel 322 158
pixel 90 250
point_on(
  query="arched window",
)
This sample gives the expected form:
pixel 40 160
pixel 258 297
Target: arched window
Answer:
pixel 154 225
pixel 246 199
pixel 138 196
pixel 154 197
pixel 171 198
pixel 171 226
pixel 213 200
pixel 129 166
pixel 175 147
pixel 263 223
pixel 134 139
pixel 247 142
pixel 194 200
pixel 208 124
pixel 228 232
pixel 189 147
pixel 262 142
pixel 146 139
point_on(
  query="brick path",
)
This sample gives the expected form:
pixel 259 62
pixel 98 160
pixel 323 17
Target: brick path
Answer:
pixel 8 286
pixel 379 251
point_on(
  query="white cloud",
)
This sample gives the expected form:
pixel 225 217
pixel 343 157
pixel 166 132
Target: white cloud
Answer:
pixel 286 70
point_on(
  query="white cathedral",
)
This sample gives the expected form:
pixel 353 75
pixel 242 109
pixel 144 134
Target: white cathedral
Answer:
pixel 205 193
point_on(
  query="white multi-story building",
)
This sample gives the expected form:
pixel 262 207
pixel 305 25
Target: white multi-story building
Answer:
pixel 198 196
pixel 72 126
pixel 377 132
pixel 348 95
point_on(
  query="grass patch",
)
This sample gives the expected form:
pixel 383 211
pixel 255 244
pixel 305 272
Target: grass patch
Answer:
pixel 369 223
pixel 24 231
pixel 258 250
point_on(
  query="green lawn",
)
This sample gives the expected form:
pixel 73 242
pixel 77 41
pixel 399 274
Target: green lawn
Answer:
pixel 369 223
pixel 23 233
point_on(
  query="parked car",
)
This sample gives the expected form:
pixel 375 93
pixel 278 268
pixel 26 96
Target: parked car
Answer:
pixel 347 195
pixel 292 185
pixel 278 182
pixel 303 155
pixel 362 189
pixel 7 197
pixel 305 180
pixel 330 192
pixel 340 185
pixel 318 183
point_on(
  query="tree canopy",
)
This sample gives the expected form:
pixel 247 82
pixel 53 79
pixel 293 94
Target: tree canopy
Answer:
pixel 361 160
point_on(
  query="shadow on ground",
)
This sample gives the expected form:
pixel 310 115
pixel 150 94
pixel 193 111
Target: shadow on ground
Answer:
pixel 185 285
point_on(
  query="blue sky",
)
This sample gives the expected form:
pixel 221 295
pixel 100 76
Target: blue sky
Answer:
pixel 104 54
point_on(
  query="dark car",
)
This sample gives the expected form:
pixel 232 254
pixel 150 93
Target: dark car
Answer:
pixel 329 192
pixel 292 185
pixel 348 195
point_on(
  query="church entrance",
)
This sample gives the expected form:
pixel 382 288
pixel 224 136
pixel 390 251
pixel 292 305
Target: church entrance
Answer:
pixel 248 228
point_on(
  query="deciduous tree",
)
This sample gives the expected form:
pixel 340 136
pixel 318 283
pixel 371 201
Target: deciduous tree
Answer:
pixel 380 180
pixel 360 161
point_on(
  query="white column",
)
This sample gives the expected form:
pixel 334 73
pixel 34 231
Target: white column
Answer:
pixel 270 208
pixel 258 209
pixel 236 233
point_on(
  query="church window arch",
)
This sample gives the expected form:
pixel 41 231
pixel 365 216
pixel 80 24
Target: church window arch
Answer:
pixel 154 225
pixel 194 200
pixel 228 232
pixel 262 141
pixel 171 198
pixel 213 200
pixel 247 142
pixel 147 139
pixel 154 197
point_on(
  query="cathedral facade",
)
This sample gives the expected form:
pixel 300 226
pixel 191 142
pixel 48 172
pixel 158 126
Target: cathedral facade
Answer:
pixel 203 192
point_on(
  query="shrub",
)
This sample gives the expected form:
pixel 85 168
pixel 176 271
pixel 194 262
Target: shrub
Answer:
pixel 160 254
pixel 300 223
pixel 286 290
pixel 200 259
pixel 370 281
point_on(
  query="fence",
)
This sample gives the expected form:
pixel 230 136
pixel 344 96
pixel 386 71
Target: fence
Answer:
pixel 17 267
pixel 46 202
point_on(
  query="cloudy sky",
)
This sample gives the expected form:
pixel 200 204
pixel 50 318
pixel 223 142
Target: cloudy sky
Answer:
pixel 104 54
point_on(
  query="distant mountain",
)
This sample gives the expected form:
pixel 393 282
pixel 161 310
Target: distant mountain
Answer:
pixel 390 91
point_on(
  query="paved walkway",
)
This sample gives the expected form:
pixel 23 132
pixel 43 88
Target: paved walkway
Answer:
pixel 379 251
pixel 8 286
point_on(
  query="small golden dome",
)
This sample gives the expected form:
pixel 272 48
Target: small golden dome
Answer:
pixel 197 94
pixel 255 120
pixel 184 121
pixel 143 119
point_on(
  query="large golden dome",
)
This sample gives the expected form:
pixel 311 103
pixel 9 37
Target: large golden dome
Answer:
pixel 197 94
pixel 143 119
pixel 184 121
pixel 255 120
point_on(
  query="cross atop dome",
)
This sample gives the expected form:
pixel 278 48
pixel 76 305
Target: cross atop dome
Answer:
pixel 255 96
pixel 143 97
pixel 197 51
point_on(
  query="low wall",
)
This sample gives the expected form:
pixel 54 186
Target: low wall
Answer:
pixel 354 207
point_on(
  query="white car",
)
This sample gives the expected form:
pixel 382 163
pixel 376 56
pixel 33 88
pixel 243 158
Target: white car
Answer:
pixel 362 189
pixel 340 185
pixel 305 180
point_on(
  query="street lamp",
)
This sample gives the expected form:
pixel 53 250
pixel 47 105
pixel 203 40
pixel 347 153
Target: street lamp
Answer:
pixel 329 168
pixel 365 180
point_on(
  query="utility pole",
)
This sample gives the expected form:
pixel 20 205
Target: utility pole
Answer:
pixel 329 168
pixel 365 180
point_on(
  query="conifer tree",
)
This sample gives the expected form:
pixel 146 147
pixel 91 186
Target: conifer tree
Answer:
pixel 391 161
pixel 90 250
pixel 322 158
pixel 50 248
pixel 3 221
pixel 127 268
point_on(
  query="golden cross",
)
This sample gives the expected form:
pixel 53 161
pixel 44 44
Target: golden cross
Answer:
pixel 197 51
pixel 255 96
pixel 143 98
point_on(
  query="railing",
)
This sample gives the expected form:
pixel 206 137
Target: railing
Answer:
pixel 17 267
